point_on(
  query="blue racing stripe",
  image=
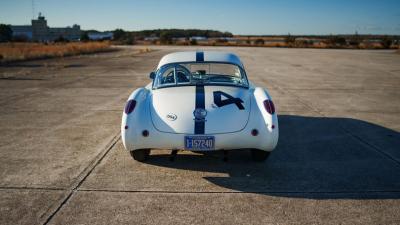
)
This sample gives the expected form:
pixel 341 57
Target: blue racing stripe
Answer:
pixel 199 56
pixel 199 125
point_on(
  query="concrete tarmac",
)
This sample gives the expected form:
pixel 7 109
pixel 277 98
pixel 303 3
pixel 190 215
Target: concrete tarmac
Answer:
pixel 337 161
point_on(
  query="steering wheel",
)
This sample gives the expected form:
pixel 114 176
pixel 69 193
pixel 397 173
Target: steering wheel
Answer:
pixel 182 74
pixel 169 78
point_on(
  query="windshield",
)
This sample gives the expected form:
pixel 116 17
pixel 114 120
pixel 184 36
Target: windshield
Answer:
pixel 179 74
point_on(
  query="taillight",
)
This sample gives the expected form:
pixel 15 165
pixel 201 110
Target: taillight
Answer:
pixel 130 106
pixel 269 106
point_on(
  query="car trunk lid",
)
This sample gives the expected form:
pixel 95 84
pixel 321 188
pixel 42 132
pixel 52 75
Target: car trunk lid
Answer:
pixel 227 109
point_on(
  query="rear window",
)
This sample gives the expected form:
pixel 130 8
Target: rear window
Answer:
pixel 207 73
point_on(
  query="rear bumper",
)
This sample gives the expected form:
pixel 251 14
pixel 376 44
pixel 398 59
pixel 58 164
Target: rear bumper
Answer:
pixel 266 139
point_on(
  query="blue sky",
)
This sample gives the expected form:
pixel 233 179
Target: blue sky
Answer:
pixel 237 16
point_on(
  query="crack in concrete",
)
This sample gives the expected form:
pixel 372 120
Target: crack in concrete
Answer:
pixel 31 188
pixel 243 192
pixel 82 177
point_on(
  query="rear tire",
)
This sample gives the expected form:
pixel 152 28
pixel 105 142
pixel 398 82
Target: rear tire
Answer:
pixel 259 155
pixel 140 155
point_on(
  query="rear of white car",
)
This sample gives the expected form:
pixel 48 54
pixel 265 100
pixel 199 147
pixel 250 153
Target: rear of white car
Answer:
pixel 199 117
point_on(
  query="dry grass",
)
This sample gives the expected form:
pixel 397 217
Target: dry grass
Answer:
pixel 276 42
pixel 25 51
pixel 144 50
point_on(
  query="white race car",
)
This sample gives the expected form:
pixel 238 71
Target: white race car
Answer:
pixel 199 101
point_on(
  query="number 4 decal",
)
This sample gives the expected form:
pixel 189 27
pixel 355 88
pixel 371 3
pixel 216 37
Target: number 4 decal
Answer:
pixel 230 100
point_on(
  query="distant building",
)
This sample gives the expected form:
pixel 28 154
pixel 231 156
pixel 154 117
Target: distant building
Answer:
pixel 100 35
pixel 198 38
pixel 22 32
pixel 153 38
pixel 179 39
pixel 39 31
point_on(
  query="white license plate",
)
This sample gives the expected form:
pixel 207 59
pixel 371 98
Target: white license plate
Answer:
pixel 199 143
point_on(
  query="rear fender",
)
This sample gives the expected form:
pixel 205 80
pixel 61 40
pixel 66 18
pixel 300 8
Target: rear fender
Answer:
pixel 270 126
pixel 137 118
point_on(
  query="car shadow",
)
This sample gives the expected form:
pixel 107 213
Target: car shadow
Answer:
pixel 317 157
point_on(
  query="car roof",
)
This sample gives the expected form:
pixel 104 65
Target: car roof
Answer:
pixel 200 56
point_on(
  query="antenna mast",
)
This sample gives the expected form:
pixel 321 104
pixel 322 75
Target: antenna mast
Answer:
pixel 33 9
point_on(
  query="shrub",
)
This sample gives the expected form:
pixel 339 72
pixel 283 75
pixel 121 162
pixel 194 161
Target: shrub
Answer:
pixel 386 42
pixel 301 43
pixel 193 42
pixel 85 37
pixel 337 40
pixel 166 37
pixel 259 41
pixel 129 40
pixel 289 39
pixel 119 34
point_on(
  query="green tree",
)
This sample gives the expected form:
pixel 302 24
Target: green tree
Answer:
pixel 227 34
pixel 355 40
pixel 290 39
pixel 337 40
pixel 129 40
pixel 248 41
pixel 193 42
pixel 386 42
pixel 5 33
pixel 166 37
pixel 119 34
pixel 85 36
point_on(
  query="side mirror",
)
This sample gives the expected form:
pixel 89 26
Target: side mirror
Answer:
pixel 152 75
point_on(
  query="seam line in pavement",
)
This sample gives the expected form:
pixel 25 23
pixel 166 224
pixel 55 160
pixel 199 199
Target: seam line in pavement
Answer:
pixel 32 188
pixel 83 175
pixel 238 192
pixel 372 146
pixel 98 160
